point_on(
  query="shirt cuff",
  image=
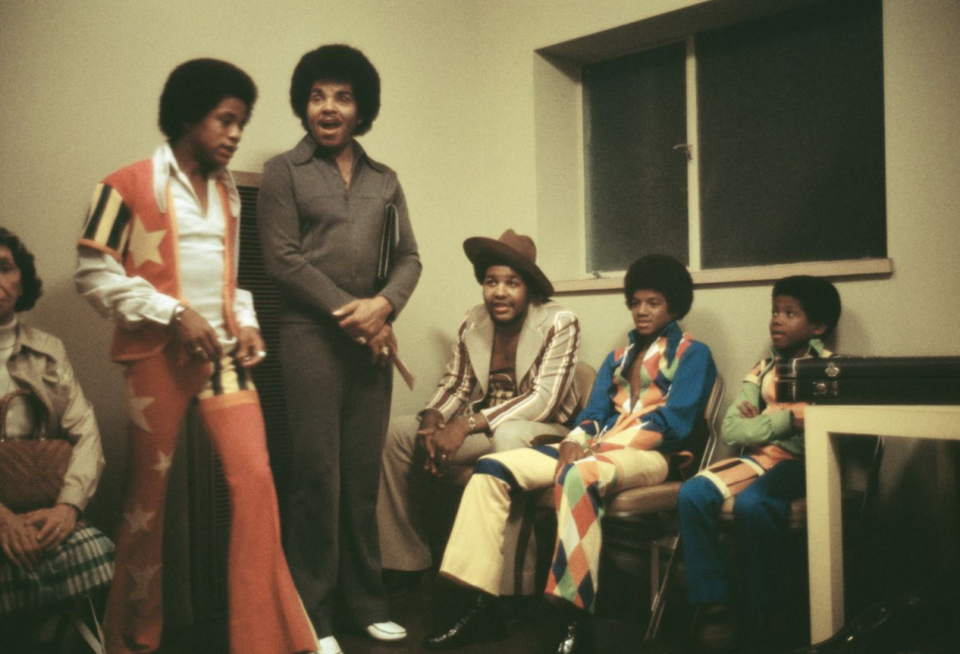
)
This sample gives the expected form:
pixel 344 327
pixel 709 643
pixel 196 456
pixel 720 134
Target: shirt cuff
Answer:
pixel 243 309
pixel 248 321
pixel 74 497
pixel 161 308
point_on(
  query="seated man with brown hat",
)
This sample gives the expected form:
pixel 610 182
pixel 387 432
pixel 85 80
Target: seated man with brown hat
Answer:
pixel 510 380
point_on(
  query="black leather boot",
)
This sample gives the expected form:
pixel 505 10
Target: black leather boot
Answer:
pixel 482 622
pixel 577 636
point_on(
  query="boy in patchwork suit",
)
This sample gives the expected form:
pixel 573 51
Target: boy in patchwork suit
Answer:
pixel 764 479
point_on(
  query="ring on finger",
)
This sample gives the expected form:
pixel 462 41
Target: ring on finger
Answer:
pixel 385 351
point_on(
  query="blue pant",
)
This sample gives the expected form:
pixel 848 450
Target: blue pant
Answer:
pixel 761 516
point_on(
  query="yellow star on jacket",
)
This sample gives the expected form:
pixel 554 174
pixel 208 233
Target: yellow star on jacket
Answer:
pixel 144 245
pixel 135 408
pixel 141 580
pixel 139 519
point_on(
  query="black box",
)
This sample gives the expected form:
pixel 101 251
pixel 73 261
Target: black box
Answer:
pixel 870 380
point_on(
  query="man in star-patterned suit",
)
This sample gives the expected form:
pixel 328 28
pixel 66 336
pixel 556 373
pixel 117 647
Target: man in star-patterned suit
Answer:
pixel 158 257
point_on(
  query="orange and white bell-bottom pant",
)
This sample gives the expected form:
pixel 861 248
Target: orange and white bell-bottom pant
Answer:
pixel 266 615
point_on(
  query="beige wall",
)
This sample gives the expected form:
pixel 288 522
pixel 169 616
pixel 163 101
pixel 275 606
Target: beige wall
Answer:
pixel 81 82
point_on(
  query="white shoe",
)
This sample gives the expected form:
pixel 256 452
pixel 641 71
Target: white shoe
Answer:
pixel 328 645
pixel 386 631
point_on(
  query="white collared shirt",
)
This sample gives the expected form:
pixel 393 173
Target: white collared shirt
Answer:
pixel 129 301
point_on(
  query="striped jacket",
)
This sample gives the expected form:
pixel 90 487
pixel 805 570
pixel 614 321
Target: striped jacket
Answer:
pixel 676 380
pixel 545 364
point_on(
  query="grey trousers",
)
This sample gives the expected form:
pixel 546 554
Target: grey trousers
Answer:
pixel 403 485
pixel 339 408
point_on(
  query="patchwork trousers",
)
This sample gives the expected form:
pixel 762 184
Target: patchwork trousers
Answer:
pixel 265 612
pixel 475 552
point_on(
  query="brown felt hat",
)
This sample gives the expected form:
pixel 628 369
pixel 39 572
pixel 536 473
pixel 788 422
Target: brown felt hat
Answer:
pixel 511 249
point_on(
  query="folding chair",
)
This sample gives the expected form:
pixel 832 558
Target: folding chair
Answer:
pixel 635 503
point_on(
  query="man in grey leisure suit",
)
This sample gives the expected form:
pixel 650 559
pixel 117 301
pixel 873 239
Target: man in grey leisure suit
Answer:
pixel 510 380
pixel 321 213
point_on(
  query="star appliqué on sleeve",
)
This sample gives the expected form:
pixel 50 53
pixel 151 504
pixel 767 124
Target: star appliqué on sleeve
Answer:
pixel 144 245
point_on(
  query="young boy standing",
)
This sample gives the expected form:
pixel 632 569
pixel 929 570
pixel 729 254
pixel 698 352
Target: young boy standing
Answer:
pixel 767 476
pixel 158 257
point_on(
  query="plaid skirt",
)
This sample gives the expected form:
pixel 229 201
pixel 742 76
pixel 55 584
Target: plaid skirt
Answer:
pixel 82 563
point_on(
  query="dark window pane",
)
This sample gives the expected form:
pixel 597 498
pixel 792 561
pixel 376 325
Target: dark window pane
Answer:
pixel 636 183
pixel 791 137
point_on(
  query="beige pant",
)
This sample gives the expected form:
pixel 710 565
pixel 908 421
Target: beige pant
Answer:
pixel 403 543
pixel 477 554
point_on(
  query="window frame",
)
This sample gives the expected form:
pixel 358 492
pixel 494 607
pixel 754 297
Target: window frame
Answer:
pixel 559 98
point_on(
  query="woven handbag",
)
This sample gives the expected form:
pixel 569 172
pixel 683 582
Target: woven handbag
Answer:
pixel 31 468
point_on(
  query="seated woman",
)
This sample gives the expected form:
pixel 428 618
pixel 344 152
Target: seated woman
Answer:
pixel 47 555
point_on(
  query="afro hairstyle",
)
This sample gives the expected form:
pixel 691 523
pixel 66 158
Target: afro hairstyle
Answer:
pixel 664 274
pixel 820 299
pixel 31 284
pixel 195 88
pixel 339 63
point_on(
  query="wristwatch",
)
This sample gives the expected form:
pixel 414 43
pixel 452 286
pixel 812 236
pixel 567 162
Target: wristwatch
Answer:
pixel 472 424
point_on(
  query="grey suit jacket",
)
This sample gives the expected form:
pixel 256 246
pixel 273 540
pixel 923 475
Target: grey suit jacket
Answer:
pixel 321 242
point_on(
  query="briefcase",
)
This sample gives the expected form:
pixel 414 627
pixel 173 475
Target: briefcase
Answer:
pixel 870 380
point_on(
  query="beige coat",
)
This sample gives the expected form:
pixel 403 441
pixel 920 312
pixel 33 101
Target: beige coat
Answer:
pixel 39 363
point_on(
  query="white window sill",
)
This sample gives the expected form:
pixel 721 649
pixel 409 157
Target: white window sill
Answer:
pixel 613 282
